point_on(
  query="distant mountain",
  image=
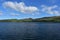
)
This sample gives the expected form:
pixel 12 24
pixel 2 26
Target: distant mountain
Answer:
pixel 44 19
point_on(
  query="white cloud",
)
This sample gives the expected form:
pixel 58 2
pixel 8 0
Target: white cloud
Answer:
pixel 51 9
pixel 21 7
pixel 13 14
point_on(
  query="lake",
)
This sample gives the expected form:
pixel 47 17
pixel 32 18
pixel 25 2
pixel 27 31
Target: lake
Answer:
pixel 29 31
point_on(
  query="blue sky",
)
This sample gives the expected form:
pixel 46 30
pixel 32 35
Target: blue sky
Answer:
pixel 19 9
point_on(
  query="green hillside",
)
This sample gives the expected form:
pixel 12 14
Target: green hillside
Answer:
pixel 44 19
pixel 49 19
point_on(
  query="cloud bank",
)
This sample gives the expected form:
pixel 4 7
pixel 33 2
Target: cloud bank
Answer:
pixel 51 9
pixel 21 7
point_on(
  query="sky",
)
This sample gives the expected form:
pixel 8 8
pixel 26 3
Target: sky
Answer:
pixel 20 9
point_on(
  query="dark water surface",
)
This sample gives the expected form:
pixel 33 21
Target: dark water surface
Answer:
pixel 29 31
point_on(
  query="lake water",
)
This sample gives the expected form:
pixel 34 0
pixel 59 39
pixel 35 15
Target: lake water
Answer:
pixel 29 31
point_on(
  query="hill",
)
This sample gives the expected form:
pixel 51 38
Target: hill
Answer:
pixel 44 19
pixel 48 19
